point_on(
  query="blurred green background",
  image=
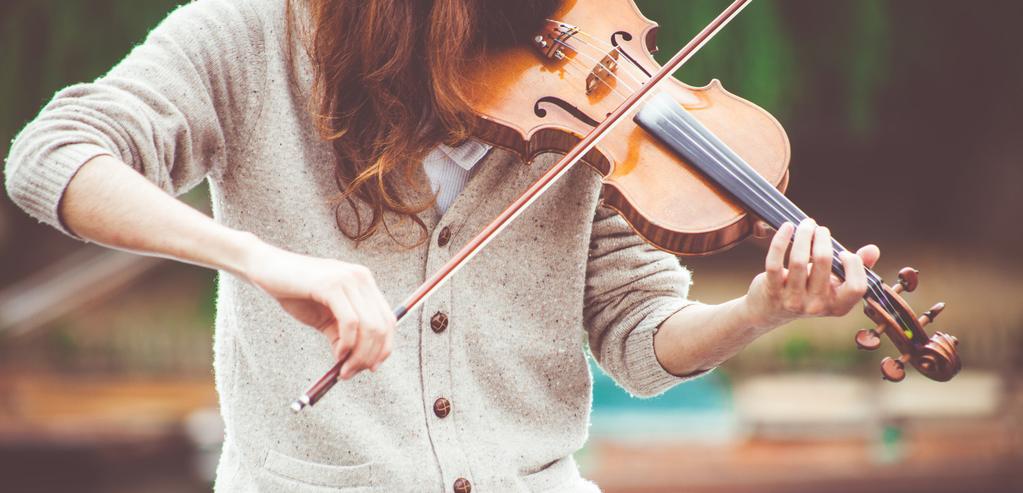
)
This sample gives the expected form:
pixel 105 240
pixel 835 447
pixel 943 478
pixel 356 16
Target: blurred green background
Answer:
pixel 904 118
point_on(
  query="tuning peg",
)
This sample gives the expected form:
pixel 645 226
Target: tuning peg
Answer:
pixel 868 339
pixel 929 316
pixel 894 370
pixel 909 279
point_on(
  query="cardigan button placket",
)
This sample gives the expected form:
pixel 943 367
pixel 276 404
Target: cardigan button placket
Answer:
pixel 438 337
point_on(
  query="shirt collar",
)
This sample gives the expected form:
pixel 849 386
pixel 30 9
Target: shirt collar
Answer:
pixel 466 155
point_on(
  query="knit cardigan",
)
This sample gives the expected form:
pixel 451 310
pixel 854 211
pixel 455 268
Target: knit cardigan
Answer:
pixel 211 95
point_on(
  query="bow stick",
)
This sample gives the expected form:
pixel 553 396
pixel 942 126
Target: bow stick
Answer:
pixel 537 189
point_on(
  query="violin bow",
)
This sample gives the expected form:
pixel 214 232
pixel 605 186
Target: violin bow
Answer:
pixel 535 191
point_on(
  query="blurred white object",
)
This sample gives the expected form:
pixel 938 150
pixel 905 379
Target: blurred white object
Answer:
pixel 806 406
pixel 671 426
pixel 88 275
pixel 205 429
pixel 971 394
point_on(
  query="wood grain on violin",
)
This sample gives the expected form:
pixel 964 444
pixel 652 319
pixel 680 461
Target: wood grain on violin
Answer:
pixel 546 107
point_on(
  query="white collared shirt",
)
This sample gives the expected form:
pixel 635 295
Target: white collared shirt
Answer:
pixel 449 168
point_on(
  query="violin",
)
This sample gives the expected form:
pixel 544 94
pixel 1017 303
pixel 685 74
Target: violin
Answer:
pixel 691 169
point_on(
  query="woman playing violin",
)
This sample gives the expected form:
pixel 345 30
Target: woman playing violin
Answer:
pixel 341 159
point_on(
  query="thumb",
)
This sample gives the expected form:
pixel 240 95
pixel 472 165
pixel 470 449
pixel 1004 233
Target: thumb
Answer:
pixel 869 254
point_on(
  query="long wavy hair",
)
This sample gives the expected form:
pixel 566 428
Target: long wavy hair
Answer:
pixel 388 86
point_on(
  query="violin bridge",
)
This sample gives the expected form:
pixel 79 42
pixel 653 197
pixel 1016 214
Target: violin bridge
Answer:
pixel 603 74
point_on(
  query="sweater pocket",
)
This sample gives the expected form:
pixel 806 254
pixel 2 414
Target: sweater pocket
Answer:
pixel 291 474
pixel 560 476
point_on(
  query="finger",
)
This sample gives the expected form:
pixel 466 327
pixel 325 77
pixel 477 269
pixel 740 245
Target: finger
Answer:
pixel 387 319
pixel 385 351
pixel 386 342
pixel 870 255
pixel 820 274
pixel 330 330
pixel 383 307
pixel 799 257
pixel 855 286
pixel 774 264
pixel 366 351
pixel 342 332
pixel 370 329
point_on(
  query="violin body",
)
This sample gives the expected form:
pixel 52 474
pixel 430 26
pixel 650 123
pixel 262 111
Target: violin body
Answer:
pixel 691 169
pixel 549 103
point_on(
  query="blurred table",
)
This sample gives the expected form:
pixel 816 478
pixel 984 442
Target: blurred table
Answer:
pixel 806 433
pixel 109 434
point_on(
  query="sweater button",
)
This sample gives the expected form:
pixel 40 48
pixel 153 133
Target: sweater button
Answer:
pixel 442 407
pixel 444 237
pixel 463 485
pixel 439 322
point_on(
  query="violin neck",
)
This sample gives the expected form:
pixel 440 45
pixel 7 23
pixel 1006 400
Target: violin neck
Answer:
pixel 665 119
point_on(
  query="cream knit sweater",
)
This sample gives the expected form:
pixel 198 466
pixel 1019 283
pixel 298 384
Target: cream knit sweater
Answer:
pixel 210 96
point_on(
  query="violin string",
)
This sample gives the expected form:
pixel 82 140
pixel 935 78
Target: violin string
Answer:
pixel 637 79
pixel 790 215
pixel 794 215
pixel 601 79
pixel 599 63
pixel 777 206
pixel 782 209
pixel 643 72
pixel 577 65
pixel 873 280
pixel 631 64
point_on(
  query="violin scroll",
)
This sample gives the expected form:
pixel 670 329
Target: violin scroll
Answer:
pixel 935 357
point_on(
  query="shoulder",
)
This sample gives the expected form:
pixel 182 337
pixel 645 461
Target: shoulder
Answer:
pixel 244 20
pixel 232 37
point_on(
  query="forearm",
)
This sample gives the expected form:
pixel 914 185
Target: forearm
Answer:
pixel 703 336
pixel 109 203
pixel 700 337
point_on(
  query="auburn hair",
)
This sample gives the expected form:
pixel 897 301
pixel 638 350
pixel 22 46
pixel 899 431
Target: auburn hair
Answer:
pixel 388 86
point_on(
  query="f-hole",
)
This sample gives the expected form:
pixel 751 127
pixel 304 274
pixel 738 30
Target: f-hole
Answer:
pixel 565 105
pixel 626 37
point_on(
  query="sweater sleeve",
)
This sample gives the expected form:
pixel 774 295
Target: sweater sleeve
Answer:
pixel 631 288
pixel 168 109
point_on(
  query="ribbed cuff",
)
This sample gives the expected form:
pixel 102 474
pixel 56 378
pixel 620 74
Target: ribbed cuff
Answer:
pixel 646 375
pixel 40 189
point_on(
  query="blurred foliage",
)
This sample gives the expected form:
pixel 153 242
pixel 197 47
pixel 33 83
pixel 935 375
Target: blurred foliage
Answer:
pixel 796 349
pixel 799 352
pixel 758 57
pixel 48 44
pixel 754 57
